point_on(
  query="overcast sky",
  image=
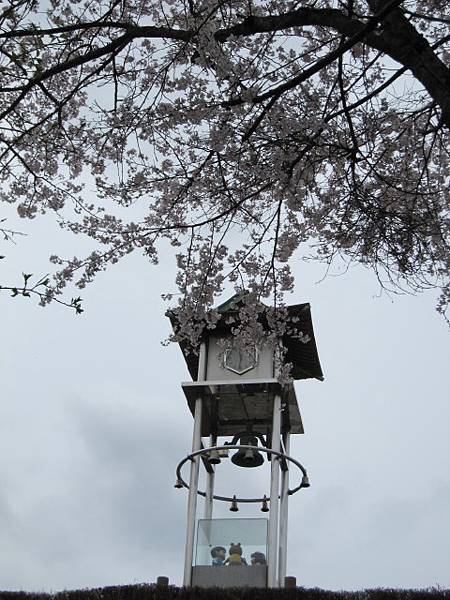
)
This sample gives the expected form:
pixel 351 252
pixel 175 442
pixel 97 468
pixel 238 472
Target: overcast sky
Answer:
pixel 93 423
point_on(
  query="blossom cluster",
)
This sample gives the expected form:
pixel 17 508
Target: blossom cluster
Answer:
pixel 243 133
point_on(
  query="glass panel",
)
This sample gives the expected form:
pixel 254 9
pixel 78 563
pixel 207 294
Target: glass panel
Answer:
pixel 223 542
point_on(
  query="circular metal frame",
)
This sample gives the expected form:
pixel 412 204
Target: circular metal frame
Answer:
pixel 206 451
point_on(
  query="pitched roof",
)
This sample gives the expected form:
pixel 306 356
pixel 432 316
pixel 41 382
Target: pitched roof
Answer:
pixel 303 355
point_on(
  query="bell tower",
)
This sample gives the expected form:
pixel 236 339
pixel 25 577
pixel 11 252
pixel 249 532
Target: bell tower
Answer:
pixel 235 394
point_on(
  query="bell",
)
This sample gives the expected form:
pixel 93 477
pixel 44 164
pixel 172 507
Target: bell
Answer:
pixel 265 506
pixel 234 505
pixel 305 481
pixel 248 458
pixel 214 458
pixel 178 484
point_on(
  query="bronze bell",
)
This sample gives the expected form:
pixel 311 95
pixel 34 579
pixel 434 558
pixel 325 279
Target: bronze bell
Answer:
pixel 248 457
pixel 234 506
pixel 265 506
pixel 214 458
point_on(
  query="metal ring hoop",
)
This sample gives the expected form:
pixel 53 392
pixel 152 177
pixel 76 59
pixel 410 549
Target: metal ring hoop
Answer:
pixel 277 454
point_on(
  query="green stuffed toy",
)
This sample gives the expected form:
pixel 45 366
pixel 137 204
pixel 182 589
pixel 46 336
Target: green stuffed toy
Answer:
pixel 235 558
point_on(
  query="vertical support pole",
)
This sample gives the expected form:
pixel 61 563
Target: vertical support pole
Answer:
pixel 272 579
pixel 192 498
pixel 284 499
pixel 193 479
pixel 210 485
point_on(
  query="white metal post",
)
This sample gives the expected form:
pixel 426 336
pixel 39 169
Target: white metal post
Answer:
pixel 210 485
pixel 284 500
pixel 193 479
pixel 272 579
pixel 192 498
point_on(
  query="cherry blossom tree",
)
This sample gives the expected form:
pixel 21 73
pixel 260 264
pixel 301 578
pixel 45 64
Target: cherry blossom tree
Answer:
pixel 245 132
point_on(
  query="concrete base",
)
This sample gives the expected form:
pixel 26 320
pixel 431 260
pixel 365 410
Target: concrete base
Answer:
pixel 230 576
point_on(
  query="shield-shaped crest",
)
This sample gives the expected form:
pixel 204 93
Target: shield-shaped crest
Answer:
pixel 239 360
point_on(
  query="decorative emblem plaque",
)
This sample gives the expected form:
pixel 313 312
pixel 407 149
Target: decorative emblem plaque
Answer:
pixel 240 361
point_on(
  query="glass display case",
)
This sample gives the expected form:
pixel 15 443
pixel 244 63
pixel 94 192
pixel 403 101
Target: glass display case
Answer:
pixel 230 553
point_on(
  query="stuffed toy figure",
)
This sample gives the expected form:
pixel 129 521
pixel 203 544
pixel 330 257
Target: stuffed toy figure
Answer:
pixel 258 558
pixel 218 556
pixel 235 555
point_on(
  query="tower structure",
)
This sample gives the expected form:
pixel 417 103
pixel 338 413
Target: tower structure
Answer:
pixel 236 394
